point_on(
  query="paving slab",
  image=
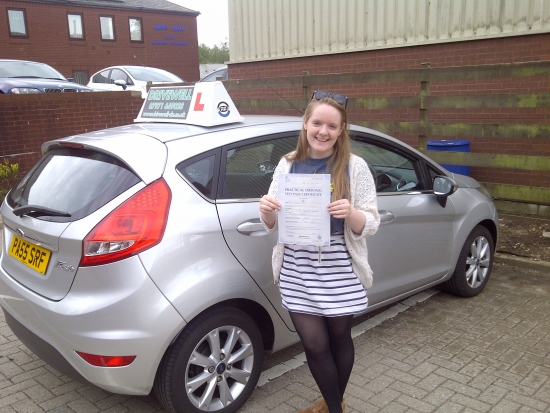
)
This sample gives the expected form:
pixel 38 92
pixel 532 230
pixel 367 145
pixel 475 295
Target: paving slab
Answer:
pixel 431 353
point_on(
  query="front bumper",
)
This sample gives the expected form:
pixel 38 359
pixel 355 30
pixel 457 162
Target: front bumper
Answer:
pixel 114 312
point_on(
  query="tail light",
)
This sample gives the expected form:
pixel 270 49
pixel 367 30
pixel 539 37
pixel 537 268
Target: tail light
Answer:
pixel 135 226
pixel 106 361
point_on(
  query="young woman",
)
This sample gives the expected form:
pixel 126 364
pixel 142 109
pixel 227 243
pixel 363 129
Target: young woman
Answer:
pixel 323 288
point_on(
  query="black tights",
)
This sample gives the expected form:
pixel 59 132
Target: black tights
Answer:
pixel 329 351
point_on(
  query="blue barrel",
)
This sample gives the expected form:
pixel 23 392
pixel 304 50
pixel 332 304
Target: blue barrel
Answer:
pixel 444 145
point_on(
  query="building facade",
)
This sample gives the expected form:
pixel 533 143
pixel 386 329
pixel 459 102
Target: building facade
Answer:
pixel 80 37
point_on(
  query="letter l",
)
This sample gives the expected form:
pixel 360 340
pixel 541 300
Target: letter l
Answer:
pixel 198 105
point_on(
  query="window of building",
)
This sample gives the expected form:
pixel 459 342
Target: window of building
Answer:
pixel 107 24
pixel 76 27
pixel 80 76
pixel 17 23
pixel 136 33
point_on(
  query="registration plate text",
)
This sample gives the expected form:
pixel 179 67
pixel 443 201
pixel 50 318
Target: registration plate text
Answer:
pixel 31 255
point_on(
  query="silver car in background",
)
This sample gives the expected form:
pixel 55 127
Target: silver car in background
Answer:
pixel 134 258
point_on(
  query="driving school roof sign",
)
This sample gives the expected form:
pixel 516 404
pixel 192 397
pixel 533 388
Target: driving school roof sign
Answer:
pixel 204 104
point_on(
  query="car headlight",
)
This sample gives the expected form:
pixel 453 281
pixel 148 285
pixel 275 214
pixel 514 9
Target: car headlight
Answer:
pixel 25 90
pixel 484 192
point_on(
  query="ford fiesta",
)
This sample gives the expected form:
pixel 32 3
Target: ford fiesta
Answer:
pixel 134 258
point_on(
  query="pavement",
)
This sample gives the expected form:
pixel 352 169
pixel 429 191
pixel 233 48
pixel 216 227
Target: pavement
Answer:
pixel 430 353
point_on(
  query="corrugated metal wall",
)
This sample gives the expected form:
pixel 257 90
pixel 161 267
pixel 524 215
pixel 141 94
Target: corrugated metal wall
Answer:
pixel 276 29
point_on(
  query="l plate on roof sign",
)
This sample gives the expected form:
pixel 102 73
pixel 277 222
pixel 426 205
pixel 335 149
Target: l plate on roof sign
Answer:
pixel 204 104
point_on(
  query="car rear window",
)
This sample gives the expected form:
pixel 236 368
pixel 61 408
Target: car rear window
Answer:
pixel 76 181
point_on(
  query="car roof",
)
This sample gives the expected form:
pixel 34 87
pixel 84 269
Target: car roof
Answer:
pixel 24 61
pixel 166 132
pixel 130 67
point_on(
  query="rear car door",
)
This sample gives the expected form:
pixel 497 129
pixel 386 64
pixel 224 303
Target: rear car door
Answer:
pixel 246 173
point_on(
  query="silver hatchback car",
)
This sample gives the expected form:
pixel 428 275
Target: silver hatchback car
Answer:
pixel 134 258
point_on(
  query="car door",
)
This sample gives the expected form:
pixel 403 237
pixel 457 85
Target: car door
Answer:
pixel 118 74
pixel 414 242
pixel 101 81
pixel 246 173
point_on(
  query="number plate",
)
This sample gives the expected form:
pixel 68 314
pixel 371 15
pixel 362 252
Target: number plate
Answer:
pixel 31 255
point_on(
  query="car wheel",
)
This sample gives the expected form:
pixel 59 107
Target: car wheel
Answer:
pixel 474 264
pixel 214 364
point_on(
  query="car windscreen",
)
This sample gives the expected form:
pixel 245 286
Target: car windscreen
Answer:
pixel 157 75
pixel 74 181
pixel 29 69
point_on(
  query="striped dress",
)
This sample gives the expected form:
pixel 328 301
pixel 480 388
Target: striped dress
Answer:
pixel 320 282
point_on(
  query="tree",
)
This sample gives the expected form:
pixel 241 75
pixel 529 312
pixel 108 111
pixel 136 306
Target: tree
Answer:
pixel 215 54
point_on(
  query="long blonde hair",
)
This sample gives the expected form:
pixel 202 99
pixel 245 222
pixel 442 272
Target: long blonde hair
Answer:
pixel 337 164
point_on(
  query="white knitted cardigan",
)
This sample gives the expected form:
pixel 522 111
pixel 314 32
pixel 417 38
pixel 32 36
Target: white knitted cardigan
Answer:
pixel 363 198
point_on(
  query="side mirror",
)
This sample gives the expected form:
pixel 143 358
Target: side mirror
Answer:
pixel 444 186
pixel 121 83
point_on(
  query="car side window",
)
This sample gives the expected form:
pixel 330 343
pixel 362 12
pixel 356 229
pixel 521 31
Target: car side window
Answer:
pixel 118 74
pixel 248 169
pixel 102 77
pixel 392 170
pixel 200 174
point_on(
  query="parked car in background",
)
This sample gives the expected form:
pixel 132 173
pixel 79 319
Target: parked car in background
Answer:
pixel 218 74
pixel 134 257
pixel 131 78
pixel 22 77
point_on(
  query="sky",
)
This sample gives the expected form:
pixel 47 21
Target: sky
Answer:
pixel 212 23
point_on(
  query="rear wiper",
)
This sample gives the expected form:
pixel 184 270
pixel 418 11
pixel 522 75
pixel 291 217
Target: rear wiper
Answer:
pixel 26 209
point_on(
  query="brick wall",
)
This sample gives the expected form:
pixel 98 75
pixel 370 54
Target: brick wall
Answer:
pixel 49 42
pixel 513 49
pixel 27 121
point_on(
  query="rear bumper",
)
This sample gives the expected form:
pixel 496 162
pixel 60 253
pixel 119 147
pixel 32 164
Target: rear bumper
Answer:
pixel 110 313
pixel 43 349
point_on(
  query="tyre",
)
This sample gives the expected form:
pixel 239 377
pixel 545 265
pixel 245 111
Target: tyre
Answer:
pixel 474 264
pixel 213 366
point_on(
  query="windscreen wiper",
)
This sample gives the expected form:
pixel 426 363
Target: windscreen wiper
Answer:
pixel 40 210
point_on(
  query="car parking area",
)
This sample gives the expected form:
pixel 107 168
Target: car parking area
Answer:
pixel 441 354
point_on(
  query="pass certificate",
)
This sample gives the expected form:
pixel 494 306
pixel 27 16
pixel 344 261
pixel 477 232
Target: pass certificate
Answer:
pixel 304 218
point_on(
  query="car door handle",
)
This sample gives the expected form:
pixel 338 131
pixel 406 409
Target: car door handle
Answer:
pixel 253 227
pixel 386 217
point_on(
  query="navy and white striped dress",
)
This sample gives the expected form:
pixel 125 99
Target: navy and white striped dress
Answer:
pixel 328 288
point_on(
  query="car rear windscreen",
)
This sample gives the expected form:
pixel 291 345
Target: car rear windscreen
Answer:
pixel 74 181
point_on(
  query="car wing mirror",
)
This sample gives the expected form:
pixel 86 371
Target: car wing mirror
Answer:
pixel 121 83
pixel 443 186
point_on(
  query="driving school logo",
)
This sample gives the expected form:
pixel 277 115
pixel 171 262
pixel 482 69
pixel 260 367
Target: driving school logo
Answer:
pixel 223 109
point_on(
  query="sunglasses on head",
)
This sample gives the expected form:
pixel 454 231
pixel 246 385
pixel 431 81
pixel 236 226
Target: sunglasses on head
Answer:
pixel 323 94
